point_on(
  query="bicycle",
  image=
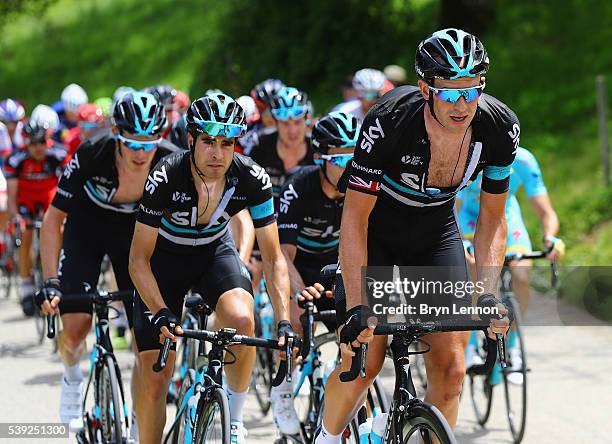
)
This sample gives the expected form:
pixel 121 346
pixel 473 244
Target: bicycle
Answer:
pixel 8 263
pixel 108 421
pixel 261 381
pixel 481 386
pixel 203 415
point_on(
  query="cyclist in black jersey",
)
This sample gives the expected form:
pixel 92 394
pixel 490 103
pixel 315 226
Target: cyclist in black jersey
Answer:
pixel 182 242
pixel 97 197
pixel 418 147
pixel 309 229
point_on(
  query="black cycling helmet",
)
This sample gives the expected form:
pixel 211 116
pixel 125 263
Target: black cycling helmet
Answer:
pixel 164 94
pixel 139 114
pixel 264 92
pixel 450 54
pixel 35 132
pixel 216 114
pixel 335 130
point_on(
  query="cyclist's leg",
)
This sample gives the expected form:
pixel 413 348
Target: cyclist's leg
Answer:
pixel 226 287
pixel 518 242
pixel 173 274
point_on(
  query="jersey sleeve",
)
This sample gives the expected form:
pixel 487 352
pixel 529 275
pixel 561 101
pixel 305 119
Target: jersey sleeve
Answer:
pixel 496 175
pixel 73 178
pixel 366 169
pixel 260 201
pixel 527 167
pixel 156 195
pixel 12 166
pixel 290 214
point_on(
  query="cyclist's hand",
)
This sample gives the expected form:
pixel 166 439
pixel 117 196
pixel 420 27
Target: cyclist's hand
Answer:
pixel 285 331
pixel 48 298
pixel 555 246
pixel 313 292
pixel 500 322
pixel 165 324
pixel 352 332
pixel 469 252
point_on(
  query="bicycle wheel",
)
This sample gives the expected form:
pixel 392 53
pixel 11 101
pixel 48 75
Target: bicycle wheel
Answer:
pixel 182 424
pixel 261 381
pixel 107 387
pixel 515 389
pixel 481 393
pixel 424 423
pixel 213 424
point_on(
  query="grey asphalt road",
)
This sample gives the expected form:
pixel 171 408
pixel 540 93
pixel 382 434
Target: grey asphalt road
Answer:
pixel 570 388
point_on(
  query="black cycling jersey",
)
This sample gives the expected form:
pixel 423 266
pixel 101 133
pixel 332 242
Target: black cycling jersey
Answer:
pixel 265 154
pixel 393 151
pixel 170 201
pixel 90 179
pixel 308 218
pixel 251 137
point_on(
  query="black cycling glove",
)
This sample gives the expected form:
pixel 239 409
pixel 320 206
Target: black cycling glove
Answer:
pixel 163 318
pixel 354 323
pixel 50 289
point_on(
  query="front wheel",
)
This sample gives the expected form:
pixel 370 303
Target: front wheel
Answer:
pixel 213 424
pixel 424 423
pixel 108 400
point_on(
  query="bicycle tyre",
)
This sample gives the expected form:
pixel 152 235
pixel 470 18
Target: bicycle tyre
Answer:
pixel 426 419
pixel 217 402
pixel 107 386
pixel 261 381
pixel 516 421
pixel 481 394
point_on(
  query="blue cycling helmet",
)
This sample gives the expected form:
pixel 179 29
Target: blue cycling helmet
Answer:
pixel 289 103
pixel 139 114
pixel 216 114
pixel 11 111
pixel 335 130
pixel 450 54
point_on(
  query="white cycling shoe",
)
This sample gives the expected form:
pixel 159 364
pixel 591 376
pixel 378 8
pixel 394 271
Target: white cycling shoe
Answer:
pixel 133 438
pixel 284 414
pixel 515 376
pixel 71 404
pixel 238 432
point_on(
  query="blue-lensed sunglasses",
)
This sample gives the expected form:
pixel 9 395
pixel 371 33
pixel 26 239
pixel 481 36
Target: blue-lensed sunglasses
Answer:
pixel 370 95
pixel 452 95
pixel 221 129
pixel 284 114
pixel 137 145
pixel 340 160
pixel 89 125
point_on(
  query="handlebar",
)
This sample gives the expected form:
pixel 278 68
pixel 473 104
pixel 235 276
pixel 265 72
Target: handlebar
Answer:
pixel 554 268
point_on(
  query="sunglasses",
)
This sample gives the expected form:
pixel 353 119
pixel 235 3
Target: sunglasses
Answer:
pixel 221 129
pixel 370 95
pixel 284 114
pixel 137 145
pixel 453 95
pixel 89 125
pixel 340 160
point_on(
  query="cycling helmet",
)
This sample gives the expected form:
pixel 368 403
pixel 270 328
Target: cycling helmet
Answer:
pixel 35 132
pixel 139 114
pixel 90 113
pixel 264 92
pixel 121 91
pixel 216 114
pixel 289 103
pixel 449 54
pixel 73 96
pixel 181 101
pixel 335 130
pixel 250 108
pixel 164 94
pixel 11 111
pixel 368 80
pixel 105 104
pixel 43 114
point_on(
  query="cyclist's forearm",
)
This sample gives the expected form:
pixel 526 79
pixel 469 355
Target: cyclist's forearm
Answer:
pixel 489 249
pixel 353 256
pixel 243 233
pixel 145 283
pixel 296 283
pixel 11 186
pixel 277 282
pixel 51 238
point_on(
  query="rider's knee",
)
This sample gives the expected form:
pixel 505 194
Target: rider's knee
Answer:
pixel 243 322
pixel 155 385
pixel 75 331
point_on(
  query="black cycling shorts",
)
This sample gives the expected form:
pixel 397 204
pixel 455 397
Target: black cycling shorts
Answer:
pixel 429 237
pixel 210 271
pixel 88 236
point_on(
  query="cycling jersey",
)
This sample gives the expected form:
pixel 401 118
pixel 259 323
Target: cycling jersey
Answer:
pixel 265 153
pixel 36 181
pixel 3 193
pixel 251 137
pixel 91 180
pixel 73 138
pixel 8 145
pixel 525 171
pixel 170 201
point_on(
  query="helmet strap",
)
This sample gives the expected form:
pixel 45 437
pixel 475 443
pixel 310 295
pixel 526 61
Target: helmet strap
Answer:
pixel 430 101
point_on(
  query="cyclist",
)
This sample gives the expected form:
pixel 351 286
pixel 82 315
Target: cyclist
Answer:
pixel 262 94
pixel 525 171
pixel 72 97
pixel 11 126
pixel 165 94
pixel 309 230
pixel 91 120
pixel 418 147
pixel 32 174
pixel 97 198
pixel 370 85
pixel 3 208
pixel 181 241
pixel 43 115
